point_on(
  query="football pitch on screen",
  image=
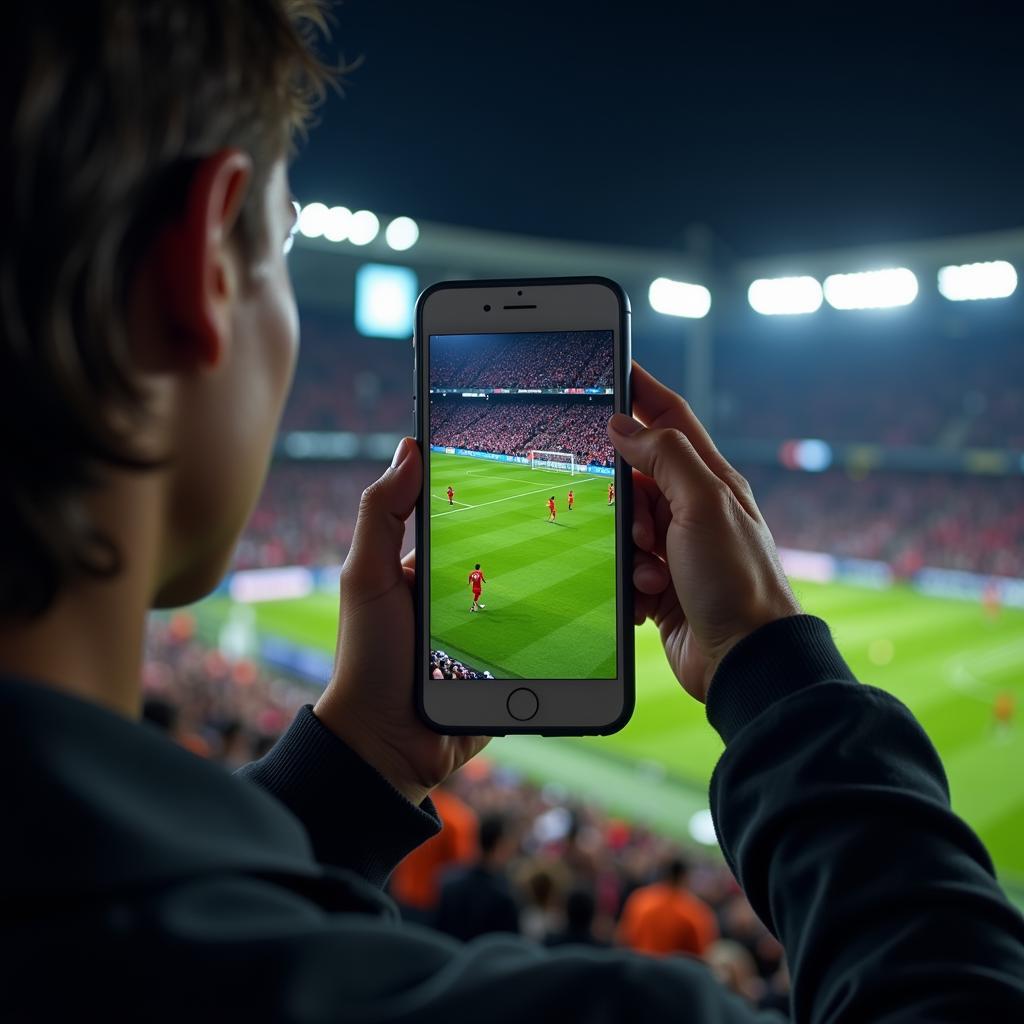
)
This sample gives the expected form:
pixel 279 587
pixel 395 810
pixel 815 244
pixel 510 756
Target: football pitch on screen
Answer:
pixel 549 595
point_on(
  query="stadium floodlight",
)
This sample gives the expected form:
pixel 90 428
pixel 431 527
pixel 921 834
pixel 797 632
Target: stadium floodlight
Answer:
pixel 385 300
pixel 872 289
pixel 336 223
pixel 677 298
pixel 994 280
pixel 363 227
pixel 784 295
pixel 402 233
pixel 313 220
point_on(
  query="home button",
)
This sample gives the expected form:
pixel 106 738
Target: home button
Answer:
pixel 522 704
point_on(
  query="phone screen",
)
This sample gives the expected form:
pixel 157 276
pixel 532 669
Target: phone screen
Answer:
pixel 520 492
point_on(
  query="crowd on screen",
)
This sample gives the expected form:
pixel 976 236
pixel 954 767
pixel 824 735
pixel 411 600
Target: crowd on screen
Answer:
pixel 513 857
pixel 907 520
pixel 580 359
pixel 515 427
pixel 443 666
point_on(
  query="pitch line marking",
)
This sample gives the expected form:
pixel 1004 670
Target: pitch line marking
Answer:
pixel 444 497
pixel 496 501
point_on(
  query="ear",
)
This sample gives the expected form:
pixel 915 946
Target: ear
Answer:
pixel 197 264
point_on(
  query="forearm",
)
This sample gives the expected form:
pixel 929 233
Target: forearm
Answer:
pixel 832 807
pixel 354 817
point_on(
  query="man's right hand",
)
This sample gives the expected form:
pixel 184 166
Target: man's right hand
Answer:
pixel 706 571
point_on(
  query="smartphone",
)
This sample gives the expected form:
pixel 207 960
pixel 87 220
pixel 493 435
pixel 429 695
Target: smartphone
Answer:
pixel 523 538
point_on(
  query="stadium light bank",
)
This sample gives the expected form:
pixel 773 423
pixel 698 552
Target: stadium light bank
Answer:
pixel 785 296
pixel 871 289
pixel 677 298
pixel 993 280
pixel 359 227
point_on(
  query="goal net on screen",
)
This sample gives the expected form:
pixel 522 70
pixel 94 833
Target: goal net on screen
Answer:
pixel 559 462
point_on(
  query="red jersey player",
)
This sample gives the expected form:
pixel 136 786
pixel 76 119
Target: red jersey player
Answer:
pixel 611 494
pixel 476 580
pixel 572 498
pixel 451 495
pixel 551 509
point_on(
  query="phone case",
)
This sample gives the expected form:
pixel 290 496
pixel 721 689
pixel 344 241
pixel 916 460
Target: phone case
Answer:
pixel 624 495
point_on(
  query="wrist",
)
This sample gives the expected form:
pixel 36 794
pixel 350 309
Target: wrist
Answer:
pixel 380 755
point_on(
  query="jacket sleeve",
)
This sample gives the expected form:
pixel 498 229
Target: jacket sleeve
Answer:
pixel 833 810
pixel 354 817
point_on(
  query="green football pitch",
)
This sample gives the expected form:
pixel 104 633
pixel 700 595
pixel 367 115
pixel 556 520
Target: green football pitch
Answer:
pixel 549 595
pixel 947 660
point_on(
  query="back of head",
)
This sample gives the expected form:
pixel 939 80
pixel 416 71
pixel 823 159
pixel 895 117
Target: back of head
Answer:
pixel 106 108
pixel 493 828
pixel 580 907
pixel 676 871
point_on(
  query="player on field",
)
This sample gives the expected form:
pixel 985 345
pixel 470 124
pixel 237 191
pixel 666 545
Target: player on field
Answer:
pixel 551 509
pixel 476 580
pixel 572 499
pixel 611 494
pixel 451 495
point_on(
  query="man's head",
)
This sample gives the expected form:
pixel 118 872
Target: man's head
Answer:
pixel 477 566
pixel 496 841
pixel 147 320
pixel 676 871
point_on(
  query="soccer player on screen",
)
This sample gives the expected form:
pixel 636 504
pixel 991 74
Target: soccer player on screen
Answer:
pixel 572 499
pixel 551 509
pixel 611 494
pixel 476 582
pixel 451 495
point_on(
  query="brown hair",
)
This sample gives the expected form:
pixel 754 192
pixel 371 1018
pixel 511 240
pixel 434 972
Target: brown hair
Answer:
pixel 105 109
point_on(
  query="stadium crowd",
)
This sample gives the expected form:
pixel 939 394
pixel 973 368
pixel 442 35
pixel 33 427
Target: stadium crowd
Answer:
pixel 513 856
pixel 907 520
pixel 559 359
pixel 515 426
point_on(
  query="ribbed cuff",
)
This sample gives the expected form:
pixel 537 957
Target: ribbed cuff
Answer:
pixel 354 817
pixel 773 662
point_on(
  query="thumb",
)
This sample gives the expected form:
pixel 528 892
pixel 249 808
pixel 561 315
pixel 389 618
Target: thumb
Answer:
pixel 374 565
pixel 667 456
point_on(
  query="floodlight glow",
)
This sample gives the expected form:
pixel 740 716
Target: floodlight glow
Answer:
pixel 784 295
pixel 336 223
pixel 677 298
pixel 385 300
pixel 995 280
pixel 873 289
pixel 812 455
pixel 313 220
pixel 402 233
pixel 363 227
pixel 701 827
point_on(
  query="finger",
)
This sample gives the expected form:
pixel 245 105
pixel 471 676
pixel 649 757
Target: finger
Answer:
pixel 659 406
pixel 650 574
pixel 409 560
pixel 644 607
pixel 669 458
pixel 373 565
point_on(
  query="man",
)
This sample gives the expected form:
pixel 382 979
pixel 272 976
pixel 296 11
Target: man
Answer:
pixel 451 495
pixel 666 917
pixel 551 509
pixel 611 494
pixel 477 900
pixel 476 581
pixel 572 499
pixel 146 358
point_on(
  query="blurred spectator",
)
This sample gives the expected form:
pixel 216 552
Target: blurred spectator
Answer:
pixel 478 899
pixel 580 907
pixel 415 883
pixel 735 969
pixel 666 917
pixel 542 884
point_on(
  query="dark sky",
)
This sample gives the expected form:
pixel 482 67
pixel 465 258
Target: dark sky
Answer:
pixel 781 127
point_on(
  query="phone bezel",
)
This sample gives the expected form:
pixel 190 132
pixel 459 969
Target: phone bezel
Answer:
pixel 570 707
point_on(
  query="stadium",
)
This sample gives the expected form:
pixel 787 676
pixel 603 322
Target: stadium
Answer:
pixel 887 464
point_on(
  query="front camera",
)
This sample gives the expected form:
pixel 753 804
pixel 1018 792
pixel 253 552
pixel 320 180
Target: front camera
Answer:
pixel 487 309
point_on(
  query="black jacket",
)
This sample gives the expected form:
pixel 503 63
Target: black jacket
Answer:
pixel 475 901
pixel 141 883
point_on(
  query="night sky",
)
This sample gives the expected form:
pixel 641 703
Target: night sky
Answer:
pixel 627 122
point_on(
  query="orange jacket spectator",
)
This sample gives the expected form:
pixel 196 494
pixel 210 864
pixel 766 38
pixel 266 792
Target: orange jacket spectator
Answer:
pixel 667 918
pixel 415 882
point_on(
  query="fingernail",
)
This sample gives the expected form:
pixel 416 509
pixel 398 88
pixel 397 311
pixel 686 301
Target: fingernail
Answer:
pixel 401 453
pixel 623 424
